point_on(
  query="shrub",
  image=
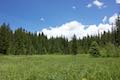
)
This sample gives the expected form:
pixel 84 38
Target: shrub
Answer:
pixel 110 50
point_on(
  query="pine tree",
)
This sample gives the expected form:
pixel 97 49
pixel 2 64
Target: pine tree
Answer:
pixel 118 31
pixel 42 44
pixel 65 46
pixel 94 50
pixel 28 43
pixel 5 38
pixel 74 45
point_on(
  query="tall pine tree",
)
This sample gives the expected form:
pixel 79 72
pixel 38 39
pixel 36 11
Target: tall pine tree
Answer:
pixel 74 45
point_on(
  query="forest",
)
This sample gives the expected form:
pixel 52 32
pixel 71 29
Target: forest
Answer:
pixel 22 42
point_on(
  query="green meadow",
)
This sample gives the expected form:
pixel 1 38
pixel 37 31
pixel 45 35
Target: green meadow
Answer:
pixel 58 67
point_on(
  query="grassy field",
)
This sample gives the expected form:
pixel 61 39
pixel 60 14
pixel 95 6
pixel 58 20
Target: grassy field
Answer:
pixel 59 67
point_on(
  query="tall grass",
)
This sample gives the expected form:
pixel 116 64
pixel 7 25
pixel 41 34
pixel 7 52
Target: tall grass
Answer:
pixel 59 67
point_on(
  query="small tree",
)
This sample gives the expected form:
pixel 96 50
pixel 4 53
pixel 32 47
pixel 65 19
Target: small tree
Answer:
pixel 94 50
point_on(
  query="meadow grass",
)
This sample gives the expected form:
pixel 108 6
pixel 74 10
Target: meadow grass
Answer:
pixel 58 67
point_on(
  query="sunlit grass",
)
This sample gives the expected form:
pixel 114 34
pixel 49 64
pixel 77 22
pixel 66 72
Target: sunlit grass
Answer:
pixel 59 67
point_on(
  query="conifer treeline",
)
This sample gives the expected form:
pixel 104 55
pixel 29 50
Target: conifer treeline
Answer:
pixel 21 42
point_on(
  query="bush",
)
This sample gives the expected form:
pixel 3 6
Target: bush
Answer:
pixel 110 50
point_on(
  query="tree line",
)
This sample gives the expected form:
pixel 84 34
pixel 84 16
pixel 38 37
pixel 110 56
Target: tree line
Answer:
pixel 22 42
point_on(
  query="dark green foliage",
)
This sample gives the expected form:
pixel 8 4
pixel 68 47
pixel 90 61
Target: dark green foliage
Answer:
pixel 94 50
pixel 42 44
pixel 23 42
pixel 110 50
pixel 5 38
pixel 117 31
pixel 66 46
pixel 74 45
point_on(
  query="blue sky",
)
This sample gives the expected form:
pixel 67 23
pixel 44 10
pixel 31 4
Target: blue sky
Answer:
pixel 35 15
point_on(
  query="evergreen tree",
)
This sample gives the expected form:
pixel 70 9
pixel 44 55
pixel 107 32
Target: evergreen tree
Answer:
pixel 28 44
pixel 117 36
pixel 94 50
pixel 42 44
pixel 65 46
pixel 5 38
pixel 74 45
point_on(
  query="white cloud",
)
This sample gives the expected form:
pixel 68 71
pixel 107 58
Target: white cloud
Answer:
pixel 118 1
pixel 74 27
pixel 104 27
pixel 104 19
pixel 67 30
pixel 89 5
pixel 74 7
pixel 42 19
pixel 98 3
pixel 113 18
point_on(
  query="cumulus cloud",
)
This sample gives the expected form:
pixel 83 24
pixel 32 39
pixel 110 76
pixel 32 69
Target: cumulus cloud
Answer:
pixel 80 30
pixel 98 3
pixel 89 5
pixel 67 30
pixel 118 1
